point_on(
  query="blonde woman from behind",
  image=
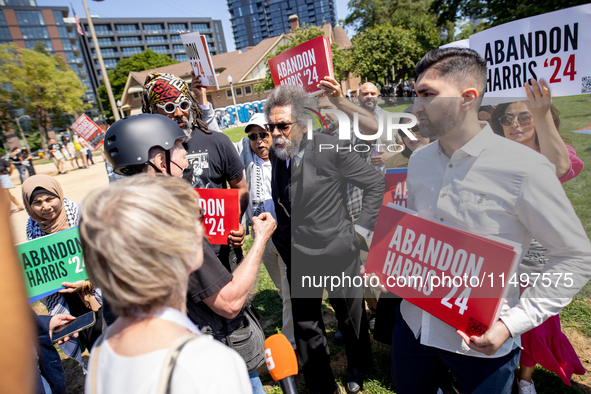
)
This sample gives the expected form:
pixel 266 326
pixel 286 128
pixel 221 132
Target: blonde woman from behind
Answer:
pixel 141 238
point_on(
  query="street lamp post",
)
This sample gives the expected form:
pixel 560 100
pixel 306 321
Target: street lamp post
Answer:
pixel 233 98
pixel 120 106
pixel 18 124
pixel 100 60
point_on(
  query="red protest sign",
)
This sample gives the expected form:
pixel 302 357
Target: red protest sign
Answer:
pixel 90 131
pixel 221 213
pixel 396 191
pixel 304 65
pixel 417 258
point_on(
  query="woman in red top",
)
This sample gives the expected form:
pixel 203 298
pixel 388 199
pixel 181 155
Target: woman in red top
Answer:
pixel 535 123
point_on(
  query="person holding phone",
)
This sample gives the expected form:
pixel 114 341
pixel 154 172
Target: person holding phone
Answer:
pixel 142 237
pixel 49 213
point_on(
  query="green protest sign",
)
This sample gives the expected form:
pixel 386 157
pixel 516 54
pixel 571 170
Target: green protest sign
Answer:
pixel 49 261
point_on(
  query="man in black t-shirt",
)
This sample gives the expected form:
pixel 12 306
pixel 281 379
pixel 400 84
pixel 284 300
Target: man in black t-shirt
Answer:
pixel 17 159
pixel 213 161
pixel 55 149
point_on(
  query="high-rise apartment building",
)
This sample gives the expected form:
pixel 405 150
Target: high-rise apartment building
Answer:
pixel 120 38
pixel 24 23
pixel 254 20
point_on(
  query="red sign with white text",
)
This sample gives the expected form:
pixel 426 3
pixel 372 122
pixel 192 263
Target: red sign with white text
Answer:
pixel 396 191
pixel 90 131
pixel 221 213
pixel 304 65
pixel 457 276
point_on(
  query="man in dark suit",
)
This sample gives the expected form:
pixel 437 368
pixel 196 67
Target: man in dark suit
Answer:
pixel 315 235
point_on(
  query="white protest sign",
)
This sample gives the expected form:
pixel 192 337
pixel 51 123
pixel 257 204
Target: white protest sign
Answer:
pixel 555 47
pixel 200 59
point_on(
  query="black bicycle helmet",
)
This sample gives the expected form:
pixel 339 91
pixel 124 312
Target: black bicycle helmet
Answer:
pixel 128 141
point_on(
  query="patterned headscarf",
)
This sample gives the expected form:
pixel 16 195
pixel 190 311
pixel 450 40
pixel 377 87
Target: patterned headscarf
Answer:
pixel 161 88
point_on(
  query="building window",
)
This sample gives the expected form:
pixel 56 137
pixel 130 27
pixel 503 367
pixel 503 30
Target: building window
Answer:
pixel 125 29
pixel 238 91
pixel 178 48
pixel 107 52
pixel 181 58
pixel 200 27
pixel 128 51
pixel 34 32
pixel 71 58
pixel 175 38
pixel 102 29
pixel 159 49
pixel 33 44
pixel 247 90
pixel 110 63
pixel 129 40
pixel 106 41
pixel 137 95
pixel 59 17
pixel 67 44
pixel 176 27
pixel 154 28
pixel 29 18
pixel 5 33
pixel 2 19
pixel 229 93
pixel 156 39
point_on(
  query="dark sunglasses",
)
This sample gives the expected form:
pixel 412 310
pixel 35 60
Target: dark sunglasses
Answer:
pixel 255 136
pixel 522 120
pixel 171 107
pixel 280 126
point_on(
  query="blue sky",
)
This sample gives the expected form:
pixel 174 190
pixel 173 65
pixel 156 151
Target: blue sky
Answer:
pixel 216 9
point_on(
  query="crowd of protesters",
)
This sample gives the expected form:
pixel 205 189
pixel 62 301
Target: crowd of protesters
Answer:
pixel 173 312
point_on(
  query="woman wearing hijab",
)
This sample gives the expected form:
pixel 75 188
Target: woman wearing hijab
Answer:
pixel 49 213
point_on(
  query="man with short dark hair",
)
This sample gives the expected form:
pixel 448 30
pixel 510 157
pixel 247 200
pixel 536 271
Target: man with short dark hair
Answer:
pixel 315 235
pixel 492 186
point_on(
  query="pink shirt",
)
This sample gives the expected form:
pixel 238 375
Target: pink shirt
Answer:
pixel 576 165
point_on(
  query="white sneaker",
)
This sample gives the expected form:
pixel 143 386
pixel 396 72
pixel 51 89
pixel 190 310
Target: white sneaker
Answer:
pixel 526 387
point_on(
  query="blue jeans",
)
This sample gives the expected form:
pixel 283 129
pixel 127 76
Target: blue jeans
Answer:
pixel 414 366
pixel 255 381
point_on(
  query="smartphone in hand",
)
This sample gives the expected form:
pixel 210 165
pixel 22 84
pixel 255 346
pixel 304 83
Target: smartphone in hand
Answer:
pixel 81 323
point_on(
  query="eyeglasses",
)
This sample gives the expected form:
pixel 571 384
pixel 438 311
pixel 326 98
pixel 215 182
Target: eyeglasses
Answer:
pixel 255 136
pixel 522 120
pixel 280 126
pixel 171 107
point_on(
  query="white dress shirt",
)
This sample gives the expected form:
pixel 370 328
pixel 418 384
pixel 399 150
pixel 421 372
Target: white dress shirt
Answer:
pixel 495 186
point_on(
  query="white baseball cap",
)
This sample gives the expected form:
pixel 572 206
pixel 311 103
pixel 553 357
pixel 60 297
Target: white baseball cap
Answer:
pixel 257 119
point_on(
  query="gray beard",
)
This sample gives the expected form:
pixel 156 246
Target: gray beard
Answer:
pixel 188 130
pixel 290 150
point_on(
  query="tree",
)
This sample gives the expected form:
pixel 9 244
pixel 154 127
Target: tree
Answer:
pixel 146 60
pixel 412 15
pixel 496 12
pixel 384 49
pixel 299 36
pixel 42 84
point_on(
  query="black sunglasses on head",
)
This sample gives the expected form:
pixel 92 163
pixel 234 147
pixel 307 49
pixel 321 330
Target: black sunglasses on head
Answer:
pixel 255 136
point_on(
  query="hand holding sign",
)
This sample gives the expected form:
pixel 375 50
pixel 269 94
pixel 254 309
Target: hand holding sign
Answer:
pixel 73 287
pixel 539 98
pixel 236 237
pixel 331 87
pixel 198 89
pixel 489 342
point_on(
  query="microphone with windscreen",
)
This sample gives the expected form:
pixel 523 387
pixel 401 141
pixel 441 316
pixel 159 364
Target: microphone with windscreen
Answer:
pixel 281 362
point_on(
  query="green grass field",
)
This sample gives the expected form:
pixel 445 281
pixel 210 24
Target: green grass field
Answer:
pixel 575 113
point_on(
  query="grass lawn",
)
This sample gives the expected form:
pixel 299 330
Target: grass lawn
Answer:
pixel 235 133
pixel 575 113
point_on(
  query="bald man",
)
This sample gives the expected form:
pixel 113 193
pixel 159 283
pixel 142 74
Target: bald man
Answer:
pixel 368 100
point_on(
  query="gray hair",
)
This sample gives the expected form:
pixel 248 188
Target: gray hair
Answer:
pixel 140 237
pixel 295 97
